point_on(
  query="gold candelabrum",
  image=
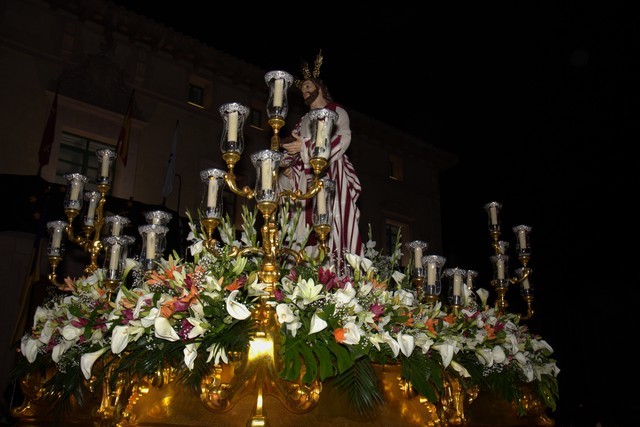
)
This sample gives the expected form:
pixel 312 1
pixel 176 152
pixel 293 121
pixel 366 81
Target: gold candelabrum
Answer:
pixel 100 234
pixel 427 271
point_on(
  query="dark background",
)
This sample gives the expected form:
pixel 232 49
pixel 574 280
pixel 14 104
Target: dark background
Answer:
pixel 540 103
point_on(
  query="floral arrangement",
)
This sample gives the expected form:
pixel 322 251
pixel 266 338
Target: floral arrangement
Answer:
pixel 192 315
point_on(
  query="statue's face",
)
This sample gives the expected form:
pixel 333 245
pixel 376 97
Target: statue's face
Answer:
pixel 309 91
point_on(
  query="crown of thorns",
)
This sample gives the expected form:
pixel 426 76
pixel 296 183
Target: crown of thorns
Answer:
pixel 307 73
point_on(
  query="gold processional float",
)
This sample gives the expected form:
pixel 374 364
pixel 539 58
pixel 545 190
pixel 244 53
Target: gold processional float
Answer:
pixel 247 387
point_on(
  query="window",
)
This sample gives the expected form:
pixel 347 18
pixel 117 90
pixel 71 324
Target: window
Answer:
pixel 196 95
pixel 200 92
pixel 396 167
pixel 78 155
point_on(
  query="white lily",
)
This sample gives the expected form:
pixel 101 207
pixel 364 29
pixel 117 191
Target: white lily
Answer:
pixel 352 333
pixel 164 330
pixel 398 276
pixel 150 318
pixel 196 247
pixel 353 260
pixel 446 352
pixel 119 339
pixel 460 369
pixel 308 291
pixel 235 309
pixel 498 354
pixel 71 333
pixel 424 342
pixel 190 352
pixel 60 348
pixel 284 313
pixel 406 343
pixel 541 345
pixel 200 327
pixel 29 348
pixel 88 359
pixel 388 339
pixel 294 326
pixel 217 353
pixel 345 295
pixel 484 296
pixel 317 324
pixel 485 356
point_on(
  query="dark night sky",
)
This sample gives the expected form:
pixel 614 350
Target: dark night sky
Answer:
pixel 540 102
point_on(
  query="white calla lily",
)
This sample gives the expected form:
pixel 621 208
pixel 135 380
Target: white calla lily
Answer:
pixel 71 333
pixel 60 348
pixel 164 330
pixel 446 352
pixel 217 353
pixel 119 339
pixel 484 296
pixel 284 313
pixel 317 324
pixel 29 348
pixel 235 309
pixel 88 359
pixel 407 343
pixel 460 369
pixel 190 353
pixel 498 354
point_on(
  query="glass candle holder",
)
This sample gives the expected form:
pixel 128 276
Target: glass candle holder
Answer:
pixel 322 213
pixel 56 245
pixel 233 118
pixel 523 247
pixel 75 187
pixel 322 122
pixel 417 248
pixel 267 163
pixel 92 198
pixel 158 217
pixel 115 224
pixel 106 157
pixel 278 103
pixel 526 287
pixel 493 210
pixel 456 282
pixel 503 247
pixel 433 264
pixel 213 181
pixel 500 269
pixel 152 244
pixel 115 255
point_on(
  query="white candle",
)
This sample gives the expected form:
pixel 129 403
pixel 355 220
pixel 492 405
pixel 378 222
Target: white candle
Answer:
pixel 500 266
pixel 105 166
pixel 115 230
pixel 417 257
pixel 457 282
pixel 522 239
pixel 91 211
pixel 212 192
pixel 322 202
pixel 115 257
pixel 266 174
pixel 320 135
pixel 493 213
pixel 232 135
pixel 56 238
pixel 151 245
pixel 431 273
pixel 470 281
pixel 278 91
pixel 75 190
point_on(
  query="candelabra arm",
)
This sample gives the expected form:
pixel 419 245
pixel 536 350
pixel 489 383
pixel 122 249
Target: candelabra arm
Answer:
pixel 71 215
pixel 316 185
pixel 230 180
pixel 293 254
pixel 530 311
pixel 246 251
pixel 53 278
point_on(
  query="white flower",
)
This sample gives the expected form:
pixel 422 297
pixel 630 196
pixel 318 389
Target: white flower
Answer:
pixel 353 260
pixel 345 295
pixel 308 291
pixel 366 264
pixel 284 313
pixel 60 348
pixel 446 352
pixel 405 297
pixel 351 333
pixel 398 276
pixel 424 342
pixel 484 296
pixel 235 309
pixel 71 333
pixel 395 347
pixel 216 352
pixel 200 327
pixel 196 247
pixel 29 348
pixel 460 369
pixel 498 354
pixel 88 359
pixel 119 339
pixel 541 345
pixel 164 330
pixel 190 352
pixel 317 324
pixel 406 343
pixel 485 356
pixel 294 326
